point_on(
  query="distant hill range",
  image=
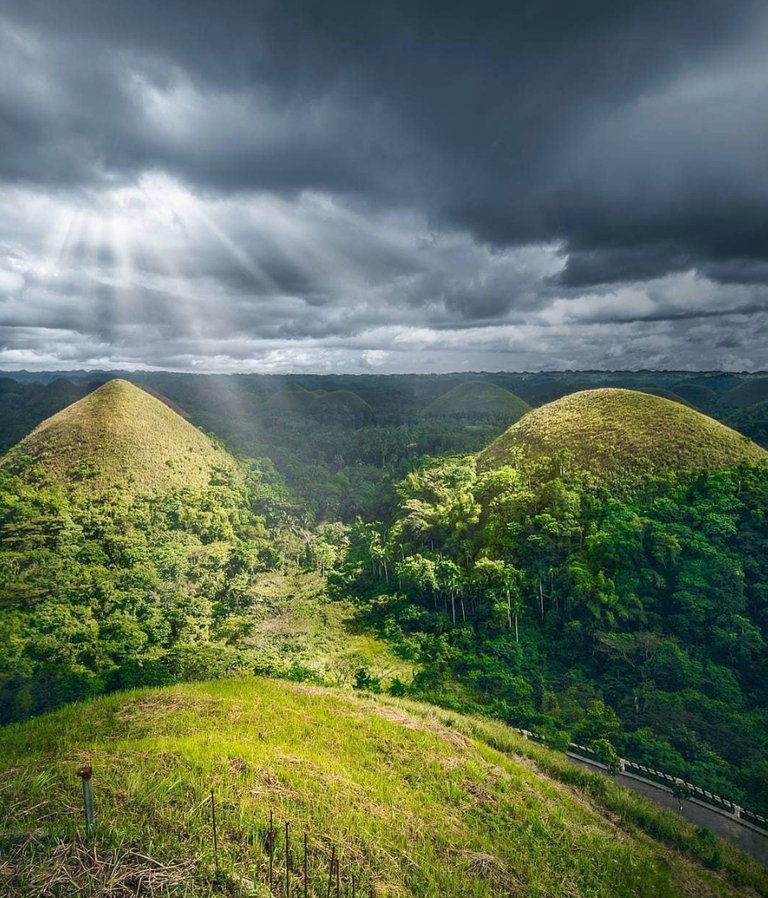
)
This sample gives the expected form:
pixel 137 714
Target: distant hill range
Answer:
pixel 664 393
pixel 119 436
pixel 239 407
pixel 622 431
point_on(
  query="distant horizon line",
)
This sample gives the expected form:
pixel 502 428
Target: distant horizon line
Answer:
pixel 526 372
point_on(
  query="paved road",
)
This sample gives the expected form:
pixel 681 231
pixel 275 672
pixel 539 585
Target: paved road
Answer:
pixel 750 840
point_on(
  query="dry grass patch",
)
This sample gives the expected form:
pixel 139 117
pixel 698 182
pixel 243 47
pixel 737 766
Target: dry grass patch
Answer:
pixel 76 868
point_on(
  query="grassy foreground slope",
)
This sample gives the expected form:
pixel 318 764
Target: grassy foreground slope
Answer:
pixel 417 799
pixel 119 435
pixel 612 430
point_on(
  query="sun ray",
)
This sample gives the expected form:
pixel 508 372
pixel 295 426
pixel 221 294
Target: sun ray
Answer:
pixel 194 318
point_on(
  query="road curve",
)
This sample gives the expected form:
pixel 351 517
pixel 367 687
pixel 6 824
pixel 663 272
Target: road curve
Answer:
pixel 739 832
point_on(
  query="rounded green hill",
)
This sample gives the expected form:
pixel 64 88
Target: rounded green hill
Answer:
pixel 696 395
pixel 747 393
pixel 292 398
pixel 119 436
pixel 622 431
pixel 344 400
pixel 478 397
pixel 417 803
pixel 297 400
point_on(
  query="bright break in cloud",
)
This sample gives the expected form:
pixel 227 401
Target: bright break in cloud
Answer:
pixel 399 187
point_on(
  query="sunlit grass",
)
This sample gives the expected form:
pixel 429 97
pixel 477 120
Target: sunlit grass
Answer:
pixel 435 804
pixel 125 437
pixel 292 625
pixel 619 431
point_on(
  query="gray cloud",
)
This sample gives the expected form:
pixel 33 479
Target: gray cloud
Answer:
pixel 403 185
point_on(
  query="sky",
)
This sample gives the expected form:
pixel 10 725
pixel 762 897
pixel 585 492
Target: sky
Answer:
pixel 369 187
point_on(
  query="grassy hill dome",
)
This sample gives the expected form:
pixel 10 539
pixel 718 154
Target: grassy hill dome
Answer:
pixel 344 400
pixel 477 397
pixel 333 405
pixel 696 395
pixel 417 802
pixel 750 392
pixel 622 431
pixel 119 435
pixel 292 398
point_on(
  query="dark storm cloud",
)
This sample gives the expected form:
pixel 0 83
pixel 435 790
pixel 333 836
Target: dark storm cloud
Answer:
pixel 484 164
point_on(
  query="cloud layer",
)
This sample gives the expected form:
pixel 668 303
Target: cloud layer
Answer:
pixel 421 186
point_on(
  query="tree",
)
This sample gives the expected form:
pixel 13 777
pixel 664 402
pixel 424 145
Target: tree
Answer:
pixel 503 581
pixel 421 572
pixel 450 581
pixel 600 722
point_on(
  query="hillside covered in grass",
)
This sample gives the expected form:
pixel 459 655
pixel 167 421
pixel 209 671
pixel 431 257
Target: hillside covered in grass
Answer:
pixel 343 405
pixel 530 590
pixel 119 436
pixel 748 393
pixel 478 399
pixel 613 431
pixel 414 802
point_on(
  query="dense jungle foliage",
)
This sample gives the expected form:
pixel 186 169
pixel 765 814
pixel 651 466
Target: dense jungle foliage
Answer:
pixel 633 621
pixel 99 592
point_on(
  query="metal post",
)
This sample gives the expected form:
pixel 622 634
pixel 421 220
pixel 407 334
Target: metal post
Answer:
pixel 287 860
pixel 85 774
pixel 271 849
pixel 215 831
pixel 330 871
